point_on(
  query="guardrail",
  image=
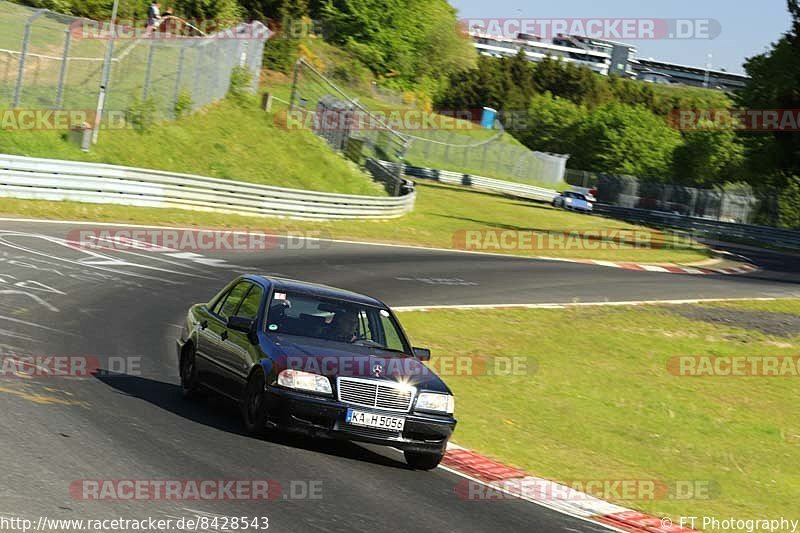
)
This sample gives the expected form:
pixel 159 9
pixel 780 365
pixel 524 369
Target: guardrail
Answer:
pixel 480 182
pixel 699 226
pixel 55 179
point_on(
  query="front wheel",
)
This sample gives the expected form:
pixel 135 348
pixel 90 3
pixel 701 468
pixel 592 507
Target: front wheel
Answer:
pixel 190 384
pixel 254 405
pixel 423 461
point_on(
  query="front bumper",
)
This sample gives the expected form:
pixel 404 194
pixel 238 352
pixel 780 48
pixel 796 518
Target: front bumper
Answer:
pixel 325 417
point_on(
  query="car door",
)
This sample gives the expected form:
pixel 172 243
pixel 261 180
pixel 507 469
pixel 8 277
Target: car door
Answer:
pixel 216 372
pixel 241 352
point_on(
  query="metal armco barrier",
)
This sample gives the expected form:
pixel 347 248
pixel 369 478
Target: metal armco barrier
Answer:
pixel 727 230
pixel 54 179
pixel 480 182
pixel 699 226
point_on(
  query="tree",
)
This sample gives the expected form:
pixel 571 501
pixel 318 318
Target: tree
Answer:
pixel 401 39
pixel 775 84
pixel 708 157
pixel 622 139
pixel 549 124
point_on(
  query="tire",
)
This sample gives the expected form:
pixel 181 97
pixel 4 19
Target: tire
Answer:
pixel 254 405
pixel 190 384
pixel 423 461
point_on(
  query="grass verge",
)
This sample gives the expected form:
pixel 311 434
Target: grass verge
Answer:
pixel 442 216
pixel 224 140
pixel 598 402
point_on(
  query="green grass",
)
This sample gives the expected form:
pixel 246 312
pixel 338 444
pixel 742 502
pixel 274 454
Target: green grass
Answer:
pixel 442 213
pixel 599 404
pixel 223 141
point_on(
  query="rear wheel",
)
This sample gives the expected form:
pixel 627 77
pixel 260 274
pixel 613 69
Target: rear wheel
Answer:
pixel 254 405
pixel 190 385
pixel 423 461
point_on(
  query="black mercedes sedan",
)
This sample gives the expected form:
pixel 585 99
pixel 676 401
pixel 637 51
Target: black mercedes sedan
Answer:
pixel 327 362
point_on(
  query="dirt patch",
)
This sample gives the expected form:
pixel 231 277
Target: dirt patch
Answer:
pixel 770 323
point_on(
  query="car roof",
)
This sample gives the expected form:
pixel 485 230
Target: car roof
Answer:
pixel 316 289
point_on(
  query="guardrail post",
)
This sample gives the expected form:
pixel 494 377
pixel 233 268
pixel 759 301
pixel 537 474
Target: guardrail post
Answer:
pixel 62 75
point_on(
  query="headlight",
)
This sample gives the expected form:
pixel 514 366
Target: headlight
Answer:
pixel 295 379
pixel 433 401
pixel 590 204
pixel 569 200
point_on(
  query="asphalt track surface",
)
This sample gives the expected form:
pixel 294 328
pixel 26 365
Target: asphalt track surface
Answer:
pixel 125 309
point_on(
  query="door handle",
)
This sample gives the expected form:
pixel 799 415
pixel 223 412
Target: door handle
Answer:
pixel 224 335
pixel 204 324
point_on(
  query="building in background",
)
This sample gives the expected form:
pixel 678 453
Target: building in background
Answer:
pixel 605 57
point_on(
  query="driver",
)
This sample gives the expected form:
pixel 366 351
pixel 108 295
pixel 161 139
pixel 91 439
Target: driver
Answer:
pixel 343 327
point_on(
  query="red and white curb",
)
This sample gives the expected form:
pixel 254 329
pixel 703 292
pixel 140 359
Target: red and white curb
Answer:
pixel 567 305
pixel 742 268
pixel 517 484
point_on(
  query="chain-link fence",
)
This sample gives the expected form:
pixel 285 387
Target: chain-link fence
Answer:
pixel 54 61
pixel 435 143
pixel 733 203
pixel 349 126
pixel 495 157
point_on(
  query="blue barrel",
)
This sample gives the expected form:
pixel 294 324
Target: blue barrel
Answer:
pixel 487 119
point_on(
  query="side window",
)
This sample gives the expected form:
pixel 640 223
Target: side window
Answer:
pixel 392 340
pixel 234 299
pixel 251 303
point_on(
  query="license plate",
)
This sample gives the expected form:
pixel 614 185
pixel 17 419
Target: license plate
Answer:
pixel 373 420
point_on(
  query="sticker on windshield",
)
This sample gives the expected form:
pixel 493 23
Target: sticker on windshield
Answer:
pixel 273 327
pixel 384 312
pixel 280 296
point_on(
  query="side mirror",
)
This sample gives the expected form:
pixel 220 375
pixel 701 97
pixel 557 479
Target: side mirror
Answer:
pixel 423 354
pixel 239 323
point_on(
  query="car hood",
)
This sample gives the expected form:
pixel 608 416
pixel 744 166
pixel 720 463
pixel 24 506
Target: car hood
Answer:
pixel 334 360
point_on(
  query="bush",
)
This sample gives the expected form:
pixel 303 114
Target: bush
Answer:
pixel 183 104
pixel 240 86
pixel 142 113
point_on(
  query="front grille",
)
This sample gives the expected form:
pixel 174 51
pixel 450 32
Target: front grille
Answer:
pixel 381 394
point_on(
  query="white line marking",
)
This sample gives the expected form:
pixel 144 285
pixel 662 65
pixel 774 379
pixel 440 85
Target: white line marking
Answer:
pixel 34 297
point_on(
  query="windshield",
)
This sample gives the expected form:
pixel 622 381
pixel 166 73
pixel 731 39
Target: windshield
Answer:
pixel 292 313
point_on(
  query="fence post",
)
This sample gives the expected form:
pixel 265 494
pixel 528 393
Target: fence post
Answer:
pixel 62 76
pixel 294 84
pixel 148 71
pixel 178 78
pixel 23 56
